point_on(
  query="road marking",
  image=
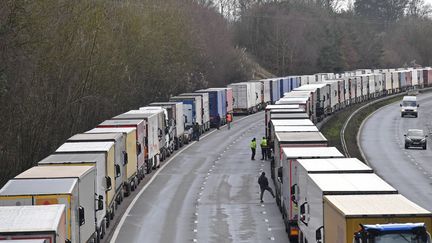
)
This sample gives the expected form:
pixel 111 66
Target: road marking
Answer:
pixel 266 220
pixel 272 238
pixel 126 213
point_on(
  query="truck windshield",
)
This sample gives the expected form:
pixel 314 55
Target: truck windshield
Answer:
pixel 399 238
pixel 409 103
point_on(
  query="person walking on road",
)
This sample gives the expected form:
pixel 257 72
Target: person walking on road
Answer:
pixel 263 145
pixel 229 120
pixel 196 131
pixel 263 183
pixel 253 148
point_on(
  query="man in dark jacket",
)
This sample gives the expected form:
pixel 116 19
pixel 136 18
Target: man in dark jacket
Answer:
pixel 263 182
pixel 196 131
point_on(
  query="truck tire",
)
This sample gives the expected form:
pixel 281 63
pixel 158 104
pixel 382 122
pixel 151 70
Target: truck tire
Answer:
pixel 406 146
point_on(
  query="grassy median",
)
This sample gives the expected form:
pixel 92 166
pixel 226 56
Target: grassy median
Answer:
pixel 331 129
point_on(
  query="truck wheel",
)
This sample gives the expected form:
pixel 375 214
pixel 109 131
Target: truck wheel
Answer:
pixel 406 146
pixel 424 147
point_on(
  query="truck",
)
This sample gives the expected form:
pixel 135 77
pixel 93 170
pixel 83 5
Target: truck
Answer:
pixel 322 102
pixel 373 218
pixel 127 153
pixel 151 148
pixel 290 155
pixel 140 140
pixel 285 140
pixel 271 90
pixel 268 109
pixel 313 188
pixel 245 98
pixel 120 155
pixel 53 185
pixel 192 111
pixel 87 201
pixel 176 120
pixel 205 109
pixel 166 140
pixel 107 169
pixel 96 160
pixel 302 167
pixel 287 122
pixel 217 105
pixel 45 222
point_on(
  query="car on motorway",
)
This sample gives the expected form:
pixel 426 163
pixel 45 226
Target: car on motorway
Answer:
pixel 409 106
pixel 415 138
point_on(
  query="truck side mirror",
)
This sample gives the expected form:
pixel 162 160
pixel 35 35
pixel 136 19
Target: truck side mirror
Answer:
pixel 400 105
pixel 280 172
pixel 117 171
pixel 418 105
pixel 318 235
pixel 81 216
pixel 138 149
pixel 125 158
pixel 303 213
pixel 108 183
pixel 100 203
pixel 404 135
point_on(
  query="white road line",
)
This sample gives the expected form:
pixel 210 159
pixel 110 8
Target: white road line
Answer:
pixel 126 213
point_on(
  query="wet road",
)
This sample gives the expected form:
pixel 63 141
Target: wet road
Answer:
pixel 208 193
pixel 408 170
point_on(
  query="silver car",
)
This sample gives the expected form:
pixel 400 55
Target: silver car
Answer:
pixel 415 138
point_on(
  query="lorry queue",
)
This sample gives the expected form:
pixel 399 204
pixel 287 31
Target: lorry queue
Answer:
pixel 74 193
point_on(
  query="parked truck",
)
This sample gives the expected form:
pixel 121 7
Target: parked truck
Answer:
pixel 313 187
pixel 51 185
pixel 96 160
pixel 140 141
pixel 192 111
pixel 290 155
pixel 285 122
pixel 166 140
pixel 121 156
pixel 46 223
pixel 151 148
pixel 176 120
pixel 245 98
pixel 127 154
pixel 373 218
pixel 205 109
pixel 107 168
pixel 87 202
pixel 217 105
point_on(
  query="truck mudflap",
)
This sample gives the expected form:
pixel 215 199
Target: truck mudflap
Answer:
pixel 293 230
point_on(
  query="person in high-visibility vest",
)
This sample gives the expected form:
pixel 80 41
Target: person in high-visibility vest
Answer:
pixel 253 148
pixel 264 146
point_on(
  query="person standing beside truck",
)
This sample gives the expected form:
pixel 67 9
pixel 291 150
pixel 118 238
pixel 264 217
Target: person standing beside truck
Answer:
pixel 253 148
pixel 196 130
pixel 263 183
pixel 263 145
pixel 229 119
pixel 218 121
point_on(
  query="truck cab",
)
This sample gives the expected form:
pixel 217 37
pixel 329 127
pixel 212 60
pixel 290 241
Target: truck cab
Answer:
pixel 409 106
pixel 392 233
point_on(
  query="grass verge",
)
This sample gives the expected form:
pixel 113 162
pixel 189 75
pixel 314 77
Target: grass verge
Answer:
pixel 331 129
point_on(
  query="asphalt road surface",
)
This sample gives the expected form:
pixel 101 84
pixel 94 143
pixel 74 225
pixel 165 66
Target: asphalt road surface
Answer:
pixel 207 193
pixel 382 141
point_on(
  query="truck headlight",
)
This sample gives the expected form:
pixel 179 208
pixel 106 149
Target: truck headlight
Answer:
pixel 402 109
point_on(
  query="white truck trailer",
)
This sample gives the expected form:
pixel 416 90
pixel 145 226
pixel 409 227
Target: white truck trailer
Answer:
pixel 96 160
pixel 245 98
pixel 80 205
pixel 290 156
pixel 313 188
pixel 205 106
pixel 175 116
pixel 47 223
pixel 121 159
pixel 106 169
pixel 86 208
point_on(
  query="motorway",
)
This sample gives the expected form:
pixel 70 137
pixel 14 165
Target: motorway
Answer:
pixel 207 193
pixel 382 141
